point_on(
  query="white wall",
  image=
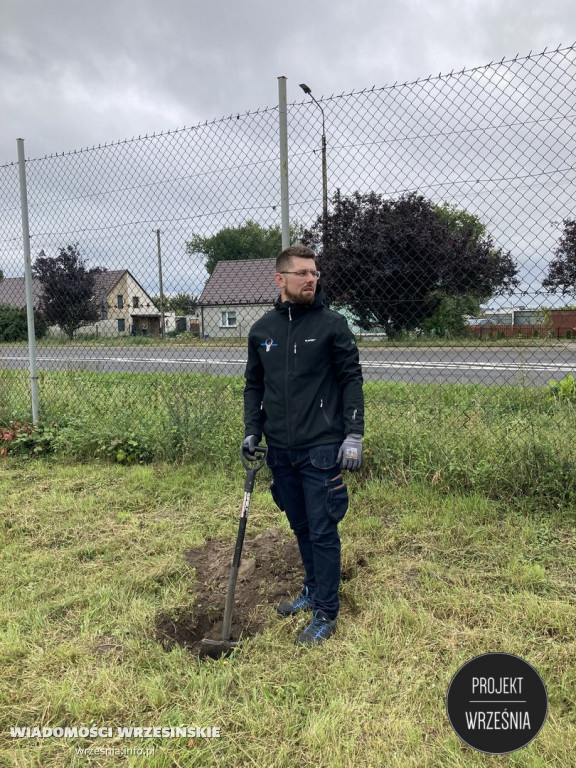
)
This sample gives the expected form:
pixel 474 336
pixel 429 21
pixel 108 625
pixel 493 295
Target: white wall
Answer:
pixel 246 316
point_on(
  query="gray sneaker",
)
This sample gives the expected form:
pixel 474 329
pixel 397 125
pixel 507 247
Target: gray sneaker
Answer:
pixel 303 602
pixel 319 629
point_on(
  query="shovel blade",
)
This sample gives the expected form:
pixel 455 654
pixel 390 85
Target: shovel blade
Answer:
pixel 214 649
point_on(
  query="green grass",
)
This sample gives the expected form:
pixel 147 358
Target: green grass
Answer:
pixel 462 516
pixel 508 443
pixel 403 340
pixel 91 553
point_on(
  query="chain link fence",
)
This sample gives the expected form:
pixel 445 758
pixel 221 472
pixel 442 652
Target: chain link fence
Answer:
pixel 446 242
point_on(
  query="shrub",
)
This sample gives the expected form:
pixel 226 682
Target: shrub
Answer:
pixel 125 449
pixel 14 324
pixel 27 439
pixel 565 389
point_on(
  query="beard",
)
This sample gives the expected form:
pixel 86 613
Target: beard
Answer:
pixel 299 298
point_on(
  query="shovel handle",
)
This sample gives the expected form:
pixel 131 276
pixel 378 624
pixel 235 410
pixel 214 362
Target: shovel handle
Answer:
pixel 251 466
pixel 229 605
pixel 260 453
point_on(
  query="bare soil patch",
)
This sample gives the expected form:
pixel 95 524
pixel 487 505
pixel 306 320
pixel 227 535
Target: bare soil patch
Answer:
pixel 270 571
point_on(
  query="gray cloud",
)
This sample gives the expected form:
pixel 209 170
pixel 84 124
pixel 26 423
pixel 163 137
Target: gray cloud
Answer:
pixel 75 74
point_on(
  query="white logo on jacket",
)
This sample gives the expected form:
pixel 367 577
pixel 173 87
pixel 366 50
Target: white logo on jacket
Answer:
pixel 268 343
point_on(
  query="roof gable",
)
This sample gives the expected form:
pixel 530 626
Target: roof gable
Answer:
pixel 13 292
pixel 105 281
pixel 13 289
pixel 243 281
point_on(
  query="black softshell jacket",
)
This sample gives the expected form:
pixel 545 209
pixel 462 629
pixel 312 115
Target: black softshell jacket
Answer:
pixel 303 377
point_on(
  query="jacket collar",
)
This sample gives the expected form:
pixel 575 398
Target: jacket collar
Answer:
pixel 295 309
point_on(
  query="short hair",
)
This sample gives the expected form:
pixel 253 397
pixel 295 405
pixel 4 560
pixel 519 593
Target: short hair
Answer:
pixel 294 251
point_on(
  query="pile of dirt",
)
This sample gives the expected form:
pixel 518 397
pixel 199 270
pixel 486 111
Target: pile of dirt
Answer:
pixel 270 571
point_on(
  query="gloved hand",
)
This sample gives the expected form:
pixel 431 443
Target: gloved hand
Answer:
pixel 350 453
pixel 250 442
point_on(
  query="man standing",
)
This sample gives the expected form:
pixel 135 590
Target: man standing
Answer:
pixel 304 393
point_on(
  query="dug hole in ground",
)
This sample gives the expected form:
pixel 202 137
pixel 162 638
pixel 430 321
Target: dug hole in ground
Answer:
pixel 270 572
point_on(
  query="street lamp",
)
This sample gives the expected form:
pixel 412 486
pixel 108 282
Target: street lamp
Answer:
pixel 308 92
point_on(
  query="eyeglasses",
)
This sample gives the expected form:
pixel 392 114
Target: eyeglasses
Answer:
pixel 303 273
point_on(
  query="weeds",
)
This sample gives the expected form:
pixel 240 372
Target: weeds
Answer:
pixel 125 449
pixel 509 443
pixel 565 389
pixel 23 438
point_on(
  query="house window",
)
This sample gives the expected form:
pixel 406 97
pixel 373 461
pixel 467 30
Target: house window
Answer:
pixel 120 299
pixel 121 325
pixel 228 319
pixel 135 302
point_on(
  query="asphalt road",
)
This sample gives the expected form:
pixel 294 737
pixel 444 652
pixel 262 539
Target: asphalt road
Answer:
pixel 529 366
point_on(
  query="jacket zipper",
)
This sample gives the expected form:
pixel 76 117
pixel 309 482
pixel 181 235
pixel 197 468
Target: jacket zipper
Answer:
pixel 286 375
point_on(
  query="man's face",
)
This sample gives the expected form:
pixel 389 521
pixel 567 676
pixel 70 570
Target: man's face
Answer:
pixel 299 289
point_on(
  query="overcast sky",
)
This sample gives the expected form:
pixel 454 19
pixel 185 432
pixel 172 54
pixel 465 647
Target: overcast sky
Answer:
pixel 78 73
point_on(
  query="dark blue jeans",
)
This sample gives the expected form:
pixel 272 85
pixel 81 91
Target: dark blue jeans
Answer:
pixel 308 486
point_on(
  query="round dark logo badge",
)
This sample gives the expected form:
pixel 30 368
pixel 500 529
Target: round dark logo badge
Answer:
pixel 497 703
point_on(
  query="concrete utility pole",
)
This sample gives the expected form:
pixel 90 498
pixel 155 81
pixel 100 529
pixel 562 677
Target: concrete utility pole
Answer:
pixel 283 120
pixel 160 281
pixel 28 281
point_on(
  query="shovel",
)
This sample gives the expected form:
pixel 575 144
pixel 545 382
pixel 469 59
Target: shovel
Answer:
pixel 225 645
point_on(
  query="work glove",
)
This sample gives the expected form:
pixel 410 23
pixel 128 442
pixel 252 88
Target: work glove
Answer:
pixel 249 444
pixel 350 453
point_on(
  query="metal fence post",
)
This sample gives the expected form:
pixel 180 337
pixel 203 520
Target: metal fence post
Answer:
pixel 28 281
pixel 418 201
pixel 283 120
pixel 162 328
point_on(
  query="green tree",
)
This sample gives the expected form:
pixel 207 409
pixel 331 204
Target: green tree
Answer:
pixel 461 222
pixel 180 304
pixel 449 319
pixel 393 262
pixel 248 241
pixel 14 324
pixel 1 275
pixel 68 289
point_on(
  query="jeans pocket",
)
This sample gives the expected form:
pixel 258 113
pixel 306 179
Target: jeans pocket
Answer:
pixel 276 496
pixel 337 501
pixel 324 456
